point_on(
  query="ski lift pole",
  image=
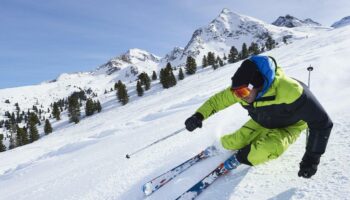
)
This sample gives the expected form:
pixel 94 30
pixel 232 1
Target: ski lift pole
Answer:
pixel 310 68
pixel 164 138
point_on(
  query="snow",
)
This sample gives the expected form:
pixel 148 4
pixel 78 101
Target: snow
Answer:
pixel 343 22
pixel 87 161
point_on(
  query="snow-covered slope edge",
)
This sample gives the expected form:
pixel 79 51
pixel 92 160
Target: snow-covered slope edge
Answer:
pixel 87 161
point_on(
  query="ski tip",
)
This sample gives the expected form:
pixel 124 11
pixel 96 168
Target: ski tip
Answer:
pixel 127 156
pixel 147 189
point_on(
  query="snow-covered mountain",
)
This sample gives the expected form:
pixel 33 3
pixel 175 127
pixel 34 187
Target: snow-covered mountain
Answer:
pixel 290 22
pixel 87 161
pixel 343 22
pixel 232 29
pixel 133 62
pixel 125 67
pixel 172 56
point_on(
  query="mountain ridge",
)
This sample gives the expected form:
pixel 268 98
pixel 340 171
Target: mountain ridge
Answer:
pixel 291 22
pixel 345 21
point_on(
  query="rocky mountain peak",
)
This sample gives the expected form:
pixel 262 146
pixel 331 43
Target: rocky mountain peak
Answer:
pixel 290 22
pixel 136 55
pixel 132 58
pixel 343 22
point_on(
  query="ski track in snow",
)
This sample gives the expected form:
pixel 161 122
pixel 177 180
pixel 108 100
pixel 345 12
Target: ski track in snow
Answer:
pixel 87 161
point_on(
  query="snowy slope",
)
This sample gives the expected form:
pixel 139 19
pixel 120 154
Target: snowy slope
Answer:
pixel 125 67
pixel 87 161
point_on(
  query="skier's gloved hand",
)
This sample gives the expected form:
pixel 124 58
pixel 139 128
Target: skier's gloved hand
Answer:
pixel 308 165
pixel 194 122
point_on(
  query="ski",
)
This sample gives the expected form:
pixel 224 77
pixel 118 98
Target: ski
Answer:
pixel 230 164
pixel 156 183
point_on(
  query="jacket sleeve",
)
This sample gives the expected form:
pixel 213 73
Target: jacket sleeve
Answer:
pixel 318 121
pixel 217 102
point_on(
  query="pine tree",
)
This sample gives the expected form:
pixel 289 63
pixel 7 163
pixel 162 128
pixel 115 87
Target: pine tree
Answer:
pixel 270 43
pixel 13 118
pixel 145 80
pixel 215 66
pixel 139 89
pixel 122 93
pixel 225 57
pixel 19 135
pixel 163 78
pixel 233 55
pixel 211 58
pixel 154 76
pixel 73 109
pixel 285 39
pixel 25 139
pixel 167 78
pixel 181 74
pixel 219 61
pixel 47 127
pixel 33 118
pixel 89 107
pixel 35 109
pixel 12 144
pixel 98 106
pixel 17 107
pixel 56 111
pixel 254 49
pixel 191 66
pixel 33 132
pixel 204 61
pixel 2 146
pixel 244 52
pixel 171 77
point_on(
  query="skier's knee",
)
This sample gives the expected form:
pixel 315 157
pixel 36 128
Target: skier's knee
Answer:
pixel 264 150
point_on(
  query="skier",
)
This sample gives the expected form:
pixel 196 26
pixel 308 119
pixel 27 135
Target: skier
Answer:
pixel 280 108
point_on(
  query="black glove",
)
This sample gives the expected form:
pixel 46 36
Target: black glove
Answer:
pixel 194 122
pixel 308 165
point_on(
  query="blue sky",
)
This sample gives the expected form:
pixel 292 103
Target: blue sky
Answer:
pixel 41 39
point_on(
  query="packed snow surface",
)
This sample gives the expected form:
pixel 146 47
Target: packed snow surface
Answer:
pixel 87 161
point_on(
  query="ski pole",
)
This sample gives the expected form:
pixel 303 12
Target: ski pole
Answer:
pixel 164 138
pixel 310 68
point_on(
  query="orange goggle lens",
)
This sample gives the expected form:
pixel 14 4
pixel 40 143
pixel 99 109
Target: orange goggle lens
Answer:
pixel 242 92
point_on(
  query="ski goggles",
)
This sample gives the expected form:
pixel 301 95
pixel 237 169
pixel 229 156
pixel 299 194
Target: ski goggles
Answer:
pixel 242 91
